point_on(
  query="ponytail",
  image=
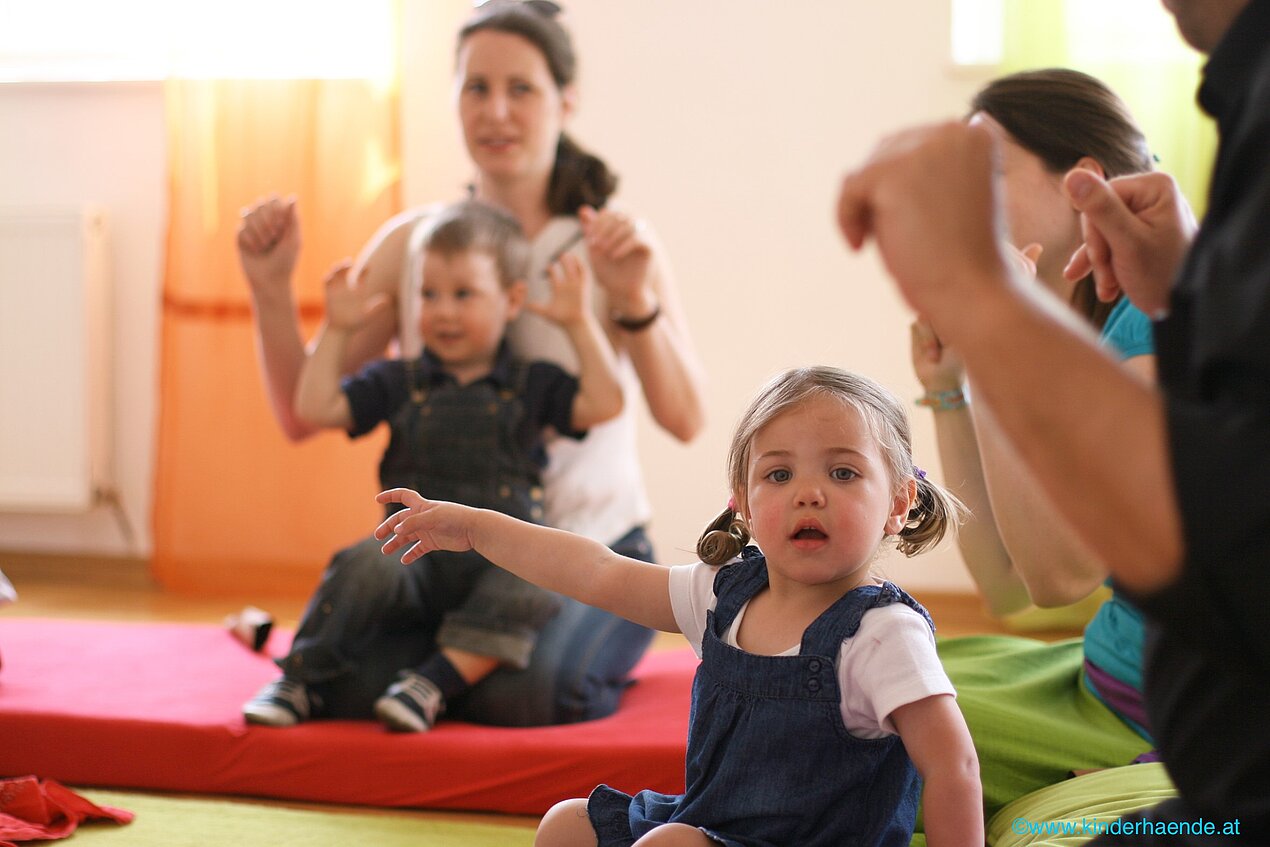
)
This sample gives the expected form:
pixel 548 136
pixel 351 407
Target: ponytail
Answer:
pixel 578 179
pixel 1086 302
pixel 724 538
pixel 934 512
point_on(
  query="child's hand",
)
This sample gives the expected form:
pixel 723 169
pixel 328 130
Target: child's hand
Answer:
pixel 348 306
pixel 423 526
pixel 620 258
pixel 570 298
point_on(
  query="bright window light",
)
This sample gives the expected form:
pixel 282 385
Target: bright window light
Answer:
pixel 1129 31
pixel 88 40
pixel 1098 32
pixel 978 29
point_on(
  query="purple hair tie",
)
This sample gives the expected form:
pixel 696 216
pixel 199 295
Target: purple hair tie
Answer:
pixel 918 472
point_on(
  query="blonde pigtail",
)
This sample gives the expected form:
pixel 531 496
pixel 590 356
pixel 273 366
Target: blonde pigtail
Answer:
pixel 935 511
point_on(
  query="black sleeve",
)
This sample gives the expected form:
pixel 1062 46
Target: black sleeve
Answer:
pixel 551 392
pixel 1221 461
pixel 1215 373
pixel 374 394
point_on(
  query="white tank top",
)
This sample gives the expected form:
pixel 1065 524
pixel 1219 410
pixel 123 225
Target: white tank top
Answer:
pixel 594 486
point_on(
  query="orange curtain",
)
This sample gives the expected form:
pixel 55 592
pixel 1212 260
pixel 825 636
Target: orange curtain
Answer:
pixel 238 508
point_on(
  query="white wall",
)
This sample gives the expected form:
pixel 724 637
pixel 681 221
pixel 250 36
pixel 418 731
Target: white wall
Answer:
pixel 105 144
pixel 729 121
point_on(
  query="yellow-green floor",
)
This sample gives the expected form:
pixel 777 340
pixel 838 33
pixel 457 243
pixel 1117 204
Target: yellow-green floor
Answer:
pixel 184 821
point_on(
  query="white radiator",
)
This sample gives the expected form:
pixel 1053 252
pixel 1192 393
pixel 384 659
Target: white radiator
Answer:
pixel 55 359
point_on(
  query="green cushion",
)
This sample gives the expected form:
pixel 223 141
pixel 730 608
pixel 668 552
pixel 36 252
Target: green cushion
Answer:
pixel 1068 814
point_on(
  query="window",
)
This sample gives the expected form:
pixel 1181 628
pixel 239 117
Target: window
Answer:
pixel 1091 32
pixel 1125 31
pixel 978 32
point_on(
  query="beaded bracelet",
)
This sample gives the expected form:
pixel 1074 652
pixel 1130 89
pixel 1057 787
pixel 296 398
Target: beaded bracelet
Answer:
pixel 943 401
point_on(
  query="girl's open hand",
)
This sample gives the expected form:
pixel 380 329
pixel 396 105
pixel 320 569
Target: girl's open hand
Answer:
pixel 570 298
pixel 620 258
pixel 348 306
pixel 423 526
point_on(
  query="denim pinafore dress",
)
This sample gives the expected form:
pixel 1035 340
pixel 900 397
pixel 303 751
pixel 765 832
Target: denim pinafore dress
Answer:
pixel 769 761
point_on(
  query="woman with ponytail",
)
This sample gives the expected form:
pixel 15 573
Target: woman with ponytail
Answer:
pixel 1039 711
pixel 515 72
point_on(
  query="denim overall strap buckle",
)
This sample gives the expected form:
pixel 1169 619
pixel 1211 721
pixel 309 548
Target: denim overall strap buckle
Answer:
pixel 414 382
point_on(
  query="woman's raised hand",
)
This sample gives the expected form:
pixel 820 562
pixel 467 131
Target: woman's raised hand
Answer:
pixel 569 296
pixel 1024 261
pixel 620 258
pixel 423 526
pixel 269 241
pixel 938 367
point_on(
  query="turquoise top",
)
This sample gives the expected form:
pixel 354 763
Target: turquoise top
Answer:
pixel 1113 638
pixel 1128 330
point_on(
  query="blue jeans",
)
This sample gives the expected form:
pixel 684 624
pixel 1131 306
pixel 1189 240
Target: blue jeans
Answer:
pixel 370 618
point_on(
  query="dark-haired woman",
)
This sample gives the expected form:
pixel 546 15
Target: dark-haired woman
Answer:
pixel 515 70
pixel 1040 711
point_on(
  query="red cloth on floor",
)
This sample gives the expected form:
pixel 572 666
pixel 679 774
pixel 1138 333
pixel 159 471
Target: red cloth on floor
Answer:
pixel 35 810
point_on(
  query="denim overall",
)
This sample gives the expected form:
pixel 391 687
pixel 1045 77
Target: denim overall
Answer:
pixel 459 443
pixel 372 617
pixel 769 760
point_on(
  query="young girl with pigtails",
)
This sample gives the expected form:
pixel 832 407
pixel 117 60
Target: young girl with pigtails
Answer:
pixel 820 707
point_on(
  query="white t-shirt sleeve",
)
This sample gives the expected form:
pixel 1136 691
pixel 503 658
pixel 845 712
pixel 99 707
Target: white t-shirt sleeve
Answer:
pixel 889 662
pixel 691 596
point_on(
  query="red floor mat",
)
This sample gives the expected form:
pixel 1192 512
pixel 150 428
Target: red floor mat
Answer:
pixel 157 706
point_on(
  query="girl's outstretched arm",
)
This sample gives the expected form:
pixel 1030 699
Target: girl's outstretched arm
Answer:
pixel 937 740
pixel 551 558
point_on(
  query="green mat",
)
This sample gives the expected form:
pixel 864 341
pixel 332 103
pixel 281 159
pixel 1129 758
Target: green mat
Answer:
pixel 1032 719
pixel 180 821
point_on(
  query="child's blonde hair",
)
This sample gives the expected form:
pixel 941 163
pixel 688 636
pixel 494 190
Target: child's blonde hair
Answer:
pixel 933 511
